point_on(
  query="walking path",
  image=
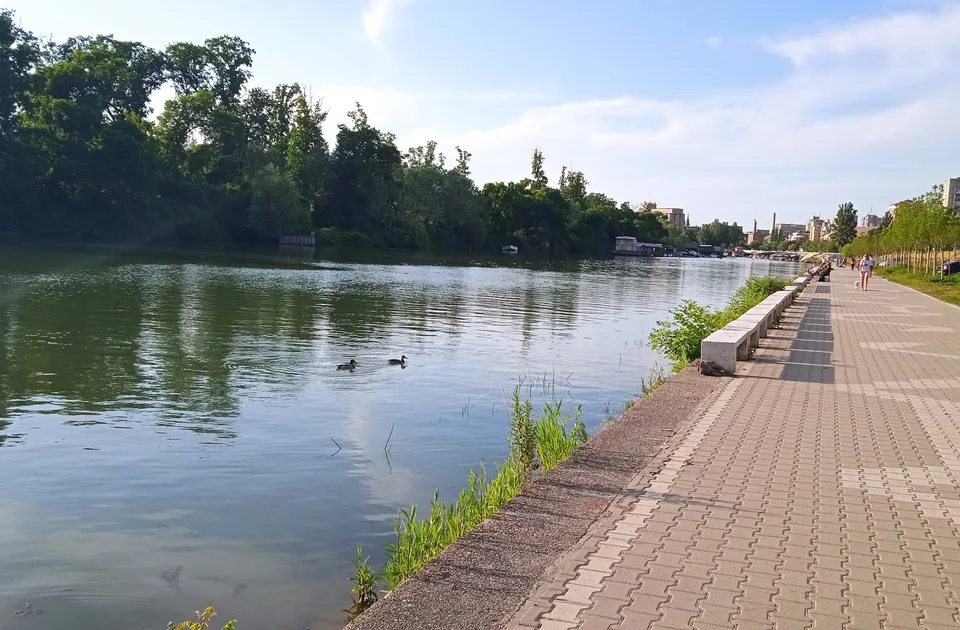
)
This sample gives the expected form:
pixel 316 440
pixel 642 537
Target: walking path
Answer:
pixel 819 489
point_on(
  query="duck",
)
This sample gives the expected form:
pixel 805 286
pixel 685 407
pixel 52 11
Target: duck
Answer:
pixel 348 366
pixel 400 361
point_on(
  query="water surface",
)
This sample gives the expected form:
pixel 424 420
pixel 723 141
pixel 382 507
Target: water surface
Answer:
pixel 174 433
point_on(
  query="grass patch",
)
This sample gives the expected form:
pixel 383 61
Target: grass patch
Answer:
pixel 946 289
pixel 536 447
pixel 679 337
pixel 202 622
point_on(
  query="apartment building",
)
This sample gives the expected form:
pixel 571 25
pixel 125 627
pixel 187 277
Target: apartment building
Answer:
pixel 673 216
pixel 951 194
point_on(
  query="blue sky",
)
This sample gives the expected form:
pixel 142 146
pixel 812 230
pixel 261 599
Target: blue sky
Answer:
pixel 731 110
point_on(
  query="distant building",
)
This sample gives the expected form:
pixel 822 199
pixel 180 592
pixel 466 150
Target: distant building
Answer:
pixel 817 229
pixel 674 216
pixel 787 230
pixel 951 194
pixel 648 206
pixel 756 237
pixel 870 221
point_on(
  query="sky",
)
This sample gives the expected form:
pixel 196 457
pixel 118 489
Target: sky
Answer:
pixel 731 110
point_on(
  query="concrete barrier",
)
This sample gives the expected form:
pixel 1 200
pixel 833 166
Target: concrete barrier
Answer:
pixel 733 342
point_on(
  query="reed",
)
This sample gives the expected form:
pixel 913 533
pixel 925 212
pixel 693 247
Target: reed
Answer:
pixel 657 377
pixel 365 581
pixel 536 446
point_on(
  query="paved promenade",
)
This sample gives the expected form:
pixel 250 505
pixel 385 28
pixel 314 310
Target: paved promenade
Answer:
pixel 819 489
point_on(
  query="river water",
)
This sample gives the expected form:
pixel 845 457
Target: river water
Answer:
pixel 174 433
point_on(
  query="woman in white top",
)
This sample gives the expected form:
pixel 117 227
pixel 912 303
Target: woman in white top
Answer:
pixel 866 269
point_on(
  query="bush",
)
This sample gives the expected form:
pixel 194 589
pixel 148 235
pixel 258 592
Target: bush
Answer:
pixel 679 338
pixel 327 237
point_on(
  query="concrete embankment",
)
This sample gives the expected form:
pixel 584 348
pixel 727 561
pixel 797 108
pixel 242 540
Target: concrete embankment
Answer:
pixel 483 580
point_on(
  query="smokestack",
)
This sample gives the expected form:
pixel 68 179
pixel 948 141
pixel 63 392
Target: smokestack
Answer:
pixel 773 230
pixel 754 226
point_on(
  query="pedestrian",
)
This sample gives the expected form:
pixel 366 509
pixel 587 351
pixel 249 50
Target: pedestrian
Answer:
pixel 866 270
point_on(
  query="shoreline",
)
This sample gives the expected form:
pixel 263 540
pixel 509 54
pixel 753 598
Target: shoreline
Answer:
pixel 484 579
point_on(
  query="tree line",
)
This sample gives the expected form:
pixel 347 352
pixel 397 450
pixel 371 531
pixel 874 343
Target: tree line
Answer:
pixel 82 157
pixel 915 234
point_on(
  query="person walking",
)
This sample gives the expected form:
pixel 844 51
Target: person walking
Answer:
pixel 866 270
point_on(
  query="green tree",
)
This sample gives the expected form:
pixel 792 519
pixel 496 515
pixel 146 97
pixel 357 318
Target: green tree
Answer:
pixel 276 208
pixel 844 225
pixel 539 176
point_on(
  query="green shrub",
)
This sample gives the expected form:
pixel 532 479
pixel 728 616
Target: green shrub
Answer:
pixel 327 237
pixel 679 337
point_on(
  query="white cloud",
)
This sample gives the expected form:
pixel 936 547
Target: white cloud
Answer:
pixel 713 42
pixel 377 17
pixel 863 114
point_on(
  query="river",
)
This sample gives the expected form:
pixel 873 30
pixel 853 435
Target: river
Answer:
pixel 174 433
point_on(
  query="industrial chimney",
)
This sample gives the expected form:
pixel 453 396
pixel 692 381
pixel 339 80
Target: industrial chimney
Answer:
pixel 754 226
pixel 773 228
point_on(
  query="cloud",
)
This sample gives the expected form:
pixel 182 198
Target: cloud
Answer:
pixel 377 19
pixel 911 36
pixel 713 42
pixel 859 114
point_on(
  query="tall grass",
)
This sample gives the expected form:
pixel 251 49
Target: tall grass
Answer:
pixel 536 446
pixel 365 581
pixel 202 622
pixel 679 337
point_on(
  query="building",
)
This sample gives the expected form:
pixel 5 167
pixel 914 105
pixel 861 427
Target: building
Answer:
pixel 817 229
pixel 951 194
pixel 674 216
pixel 787 230
pixel 870 221
pixel 648 206
pixel 756 237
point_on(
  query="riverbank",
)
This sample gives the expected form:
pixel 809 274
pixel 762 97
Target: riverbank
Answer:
pixel 484 578
pixel 946 289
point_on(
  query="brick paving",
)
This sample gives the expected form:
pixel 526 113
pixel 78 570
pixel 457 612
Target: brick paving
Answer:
pixel 819 489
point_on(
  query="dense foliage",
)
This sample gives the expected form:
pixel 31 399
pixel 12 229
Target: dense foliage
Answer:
pixel 916 235
pixel 83 157
pixel 679 337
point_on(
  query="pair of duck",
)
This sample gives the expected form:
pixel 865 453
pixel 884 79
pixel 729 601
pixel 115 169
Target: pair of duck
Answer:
pixel 402 361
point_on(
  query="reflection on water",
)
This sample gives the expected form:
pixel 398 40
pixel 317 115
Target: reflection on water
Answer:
pixel 170 425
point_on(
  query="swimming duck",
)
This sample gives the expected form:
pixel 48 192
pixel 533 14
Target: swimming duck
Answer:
pixel 348 366
pixel 400 361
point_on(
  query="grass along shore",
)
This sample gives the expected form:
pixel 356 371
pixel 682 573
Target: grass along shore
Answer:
pixel 536 447
pixel 946 289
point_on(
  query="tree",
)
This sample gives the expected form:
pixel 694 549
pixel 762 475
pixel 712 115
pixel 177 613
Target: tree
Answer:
pixel 19 52
pixel 275 204
pixel 844 225
pixel 536 170
pixel 82 159
pixel 463 162
pixel 573 185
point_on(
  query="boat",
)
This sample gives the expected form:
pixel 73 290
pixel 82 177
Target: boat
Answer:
pixel 628 246
pixel 509 249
